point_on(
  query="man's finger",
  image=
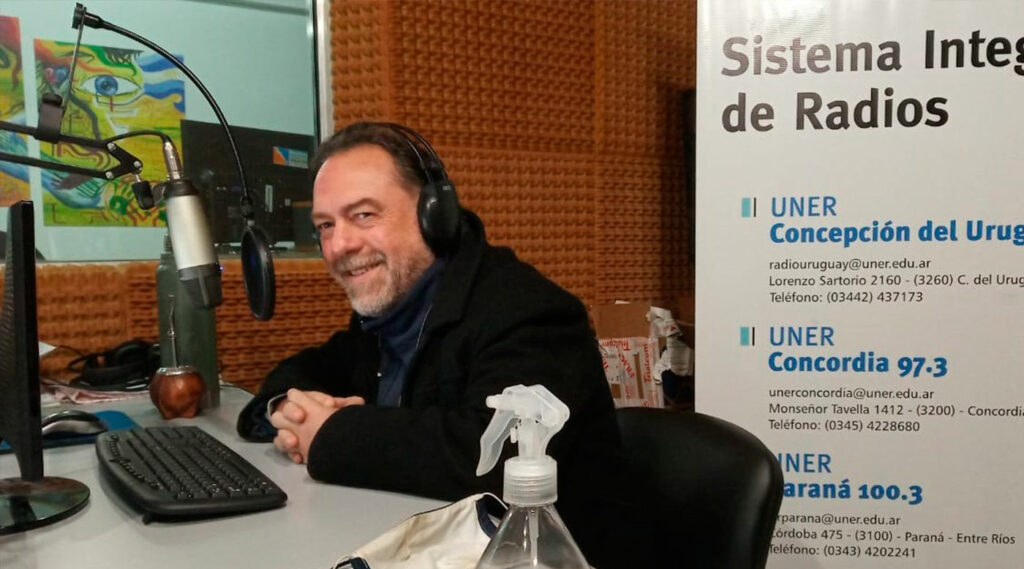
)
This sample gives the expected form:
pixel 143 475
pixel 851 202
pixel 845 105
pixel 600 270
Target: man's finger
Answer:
pixel 286 441
pixel 296 457
pixel 278 420
pixel 292 412
pixel 278 404
pixel 340 402
pixel 302 399
pixel 320 397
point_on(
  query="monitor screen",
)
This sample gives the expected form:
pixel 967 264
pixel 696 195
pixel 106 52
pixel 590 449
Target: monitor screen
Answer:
pixel 32 499
pixel 276 166
pixel 19 347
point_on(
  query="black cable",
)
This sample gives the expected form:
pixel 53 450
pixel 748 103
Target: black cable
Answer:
pixel 162 136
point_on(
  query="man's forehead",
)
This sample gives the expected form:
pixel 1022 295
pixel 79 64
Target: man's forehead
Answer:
pixel 365 172
pixel 364 158
pixel 356 168
pixel 366 162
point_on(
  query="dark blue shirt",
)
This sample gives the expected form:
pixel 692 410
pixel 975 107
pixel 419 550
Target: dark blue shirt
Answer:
pixel 399 332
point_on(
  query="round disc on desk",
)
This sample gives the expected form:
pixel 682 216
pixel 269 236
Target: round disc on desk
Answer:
pixel 26 505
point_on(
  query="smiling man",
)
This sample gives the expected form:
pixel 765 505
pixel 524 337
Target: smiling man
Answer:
pixel 396 401
pixel 369 234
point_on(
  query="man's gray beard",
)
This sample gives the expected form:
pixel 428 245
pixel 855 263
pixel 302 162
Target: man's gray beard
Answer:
pixel 398 283
pixel 371 304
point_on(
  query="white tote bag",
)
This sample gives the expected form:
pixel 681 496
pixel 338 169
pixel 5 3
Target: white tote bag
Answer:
pixel 452 537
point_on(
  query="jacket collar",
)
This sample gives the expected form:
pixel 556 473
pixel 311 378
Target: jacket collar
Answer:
pixel 410 310
pixel 459 274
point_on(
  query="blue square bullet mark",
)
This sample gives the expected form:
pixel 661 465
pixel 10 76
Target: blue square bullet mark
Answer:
pixel 746 336
pixel 748 207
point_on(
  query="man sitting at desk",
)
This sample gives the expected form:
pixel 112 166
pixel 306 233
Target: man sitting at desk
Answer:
pixel 396 402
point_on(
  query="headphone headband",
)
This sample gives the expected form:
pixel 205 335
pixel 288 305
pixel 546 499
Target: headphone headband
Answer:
pixel 412 138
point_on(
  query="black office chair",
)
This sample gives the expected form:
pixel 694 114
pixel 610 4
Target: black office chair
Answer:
pixel 714 489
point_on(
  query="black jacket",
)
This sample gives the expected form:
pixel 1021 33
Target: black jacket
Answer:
pixel 495 322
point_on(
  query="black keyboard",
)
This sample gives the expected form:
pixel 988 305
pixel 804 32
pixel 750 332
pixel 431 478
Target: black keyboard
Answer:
pixel 183 472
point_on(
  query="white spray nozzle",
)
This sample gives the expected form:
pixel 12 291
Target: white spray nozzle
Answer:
pixel 530 415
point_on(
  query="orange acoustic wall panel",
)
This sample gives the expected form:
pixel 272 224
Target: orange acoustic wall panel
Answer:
pixel 561 123
pixel 93 307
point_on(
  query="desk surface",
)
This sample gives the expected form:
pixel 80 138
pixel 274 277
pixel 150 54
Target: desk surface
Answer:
pixel 318 524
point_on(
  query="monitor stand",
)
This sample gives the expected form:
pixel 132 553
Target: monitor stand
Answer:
pixel 26 505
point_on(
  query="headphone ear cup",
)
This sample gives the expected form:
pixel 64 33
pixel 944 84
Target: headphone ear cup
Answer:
pixel 439 216
pixel 132 361
pixel 127 353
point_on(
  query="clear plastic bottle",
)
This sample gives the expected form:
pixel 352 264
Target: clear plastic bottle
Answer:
pixel 532 537
pixel 531 534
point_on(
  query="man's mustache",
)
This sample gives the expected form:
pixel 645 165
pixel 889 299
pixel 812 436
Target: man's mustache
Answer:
pixel 349 264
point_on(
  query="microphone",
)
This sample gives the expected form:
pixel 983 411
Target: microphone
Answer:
pixel 191 240
pixel 190 234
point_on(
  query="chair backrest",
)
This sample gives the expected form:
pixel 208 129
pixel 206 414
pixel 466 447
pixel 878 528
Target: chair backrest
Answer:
pixel 714 489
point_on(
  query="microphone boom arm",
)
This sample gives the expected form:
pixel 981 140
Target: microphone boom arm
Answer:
pixel 83 17
pixel 127 163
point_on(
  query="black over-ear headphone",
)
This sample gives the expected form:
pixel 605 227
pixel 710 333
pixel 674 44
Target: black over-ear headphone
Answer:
pixel 125 367
pixel 438 208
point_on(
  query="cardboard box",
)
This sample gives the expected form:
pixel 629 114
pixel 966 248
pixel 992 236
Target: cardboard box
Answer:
pixel 629 350
pixel 628 320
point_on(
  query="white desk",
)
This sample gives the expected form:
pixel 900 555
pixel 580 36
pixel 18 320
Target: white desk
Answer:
pixel 318 523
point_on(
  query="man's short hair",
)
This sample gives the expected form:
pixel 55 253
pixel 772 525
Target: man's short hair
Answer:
pixel 386 137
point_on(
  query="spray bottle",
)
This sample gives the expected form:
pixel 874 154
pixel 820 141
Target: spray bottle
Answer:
pixel 531 534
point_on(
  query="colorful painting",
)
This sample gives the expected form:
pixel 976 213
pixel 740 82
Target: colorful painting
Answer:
pixel 13 177
pixel 115 91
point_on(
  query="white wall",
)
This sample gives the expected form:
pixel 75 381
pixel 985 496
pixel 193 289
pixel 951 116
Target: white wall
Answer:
pixel 255 57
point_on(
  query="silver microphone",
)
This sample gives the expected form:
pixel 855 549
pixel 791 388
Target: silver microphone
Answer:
pixel 191 240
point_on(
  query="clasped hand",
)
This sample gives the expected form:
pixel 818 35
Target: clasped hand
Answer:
pixel 300 415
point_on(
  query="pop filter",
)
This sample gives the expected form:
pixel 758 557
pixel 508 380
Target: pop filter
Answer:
pixel 258 272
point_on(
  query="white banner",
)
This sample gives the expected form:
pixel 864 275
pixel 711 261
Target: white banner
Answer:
pixel 860 270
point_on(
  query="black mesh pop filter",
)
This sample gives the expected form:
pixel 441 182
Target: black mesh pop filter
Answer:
pixel 258 272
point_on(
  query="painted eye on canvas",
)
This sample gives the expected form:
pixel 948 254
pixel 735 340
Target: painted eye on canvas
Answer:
pixel 109 85
pixel 6 59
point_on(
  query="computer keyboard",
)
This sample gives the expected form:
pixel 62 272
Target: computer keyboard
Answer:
pixel 178 471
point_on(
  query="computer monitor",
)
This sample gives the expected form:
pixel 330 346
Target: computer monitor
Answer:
pixel 276 168
pixel 32 500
